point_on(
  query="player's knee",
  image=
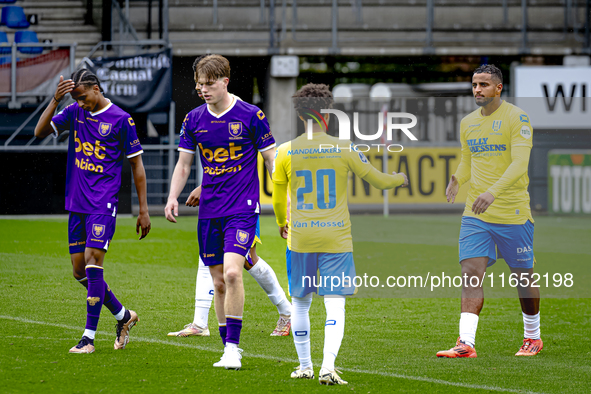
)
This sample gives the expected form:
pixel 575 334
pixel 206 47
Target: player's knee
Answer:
pixel 232 275
pixel 78 274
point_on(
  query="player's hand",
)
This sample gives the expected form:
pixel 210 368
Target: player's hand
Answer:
pixel 452 189
pixel 143 222
pixel 194 197
pixel 405 184
pixel 482 203
pixel 63 88
pixel 284 231
pixel 171 208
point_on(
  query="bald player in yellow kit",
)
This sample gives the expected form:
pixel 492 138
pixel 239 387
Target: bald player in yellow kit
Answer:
pixel 319 233
pixel 496 144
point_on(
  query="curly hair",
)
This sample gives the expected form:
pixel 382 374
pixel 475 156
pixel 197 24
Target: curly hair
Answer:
pixel 490 69
pixel 312 96
pixel 87 78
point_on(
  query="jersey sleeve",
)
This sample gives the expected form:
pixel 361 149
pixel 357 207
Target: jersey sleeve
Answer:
pixel 263 139
pixel 279 165
pixel 521 130
pixel 357 162
pixel 187 141
pixel 132 142
pixel 61 122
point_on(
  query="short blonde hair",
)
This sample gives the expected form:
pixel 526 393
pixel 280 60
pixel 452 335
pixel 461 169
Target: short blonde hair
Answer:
pixel 213 67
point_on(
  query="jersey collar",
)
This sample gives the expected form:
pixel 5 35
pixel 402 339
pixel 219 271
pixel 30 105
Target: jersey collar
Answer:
pixel 224 111
pixel 102 110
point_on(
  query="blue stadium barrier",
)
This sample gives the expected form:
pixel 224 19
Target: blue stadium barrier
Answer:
pixel 14 17
pixel 7 1
pixel 3 40
pixel 21 37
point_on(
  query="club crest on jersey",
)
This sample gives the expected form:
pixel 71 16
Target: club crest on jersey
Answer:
pixel 105 129
pixel 496 126
pixel 98 230
pixel 242 237
pixel 235 128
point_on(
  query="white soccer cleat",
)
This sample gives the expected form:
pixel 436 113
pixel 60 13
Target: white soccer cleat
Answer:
pixel 232 357
pixel 221 363
pixel 300 373
pixel 330 378
pixel 190 330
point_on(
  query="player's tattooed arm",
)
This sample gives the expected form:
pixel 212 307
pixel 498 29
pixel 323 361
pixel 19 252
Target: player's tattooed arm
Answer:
pixel 139 178
pixel 43 127
pixel 194 197
pixel 177 183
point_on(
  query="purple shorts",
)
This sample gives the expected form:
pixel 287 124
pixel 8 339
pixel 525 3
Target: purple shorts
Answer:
pixel 90 231
pixel 230 234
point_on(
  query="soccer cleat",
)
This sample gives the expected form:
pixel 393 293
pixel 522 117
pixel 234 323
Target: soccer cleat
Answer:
pixel 221 363
pixel 460 350
pixel 86 345
pixel 300 373
pixel 283 327
pixel 330 378
pixel 530 347
pixel 190 330
pixel 233 355
pixel 123 327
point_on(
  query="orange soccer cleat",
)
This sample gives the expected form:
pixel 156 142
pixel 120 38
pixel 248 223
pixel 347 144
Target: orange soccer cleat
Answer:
pixel 460 350
pixel 530 347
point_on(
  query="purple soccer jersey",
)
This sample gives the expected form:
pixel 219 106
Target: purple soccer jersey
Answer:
pixel 98 142
pixel 229 143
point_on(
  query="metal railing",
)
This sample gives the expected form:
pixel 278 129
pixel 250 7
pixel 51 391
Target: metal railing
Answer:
pixel 277 24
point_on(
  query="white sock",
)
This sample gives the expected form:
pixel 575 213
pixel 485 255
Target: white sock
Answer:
pixel 468 326
pixel 266 278
pixel 89 333
pixel 121 314
pixel 531 326
pixel 334 329
pixel 300 326
pixel 230 345
pixel 203 295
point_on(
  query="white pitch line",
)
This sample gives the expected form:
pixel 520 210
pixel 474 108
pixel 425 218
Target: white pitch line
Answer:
pixel 267 357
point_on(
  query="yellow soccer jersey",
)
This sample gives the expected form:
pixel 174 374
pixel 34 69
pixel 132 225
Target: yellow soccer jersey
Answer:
pixel 487 143
pixel 318 188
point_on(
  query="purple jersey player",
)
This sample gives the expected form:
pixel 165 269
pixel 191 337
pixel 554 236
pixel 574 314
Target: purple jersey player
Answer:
pixel 101 134
pixel 228 133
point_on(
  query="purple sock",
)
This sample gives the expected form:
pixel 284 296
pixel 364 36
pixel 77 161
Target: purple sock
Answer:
pixel 111 302
pixel 96 293
pixel 234 325
pixel 223 333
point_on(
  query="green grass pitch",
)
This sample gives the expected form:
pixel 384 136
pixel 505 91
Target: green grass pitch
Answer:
pixel 390 340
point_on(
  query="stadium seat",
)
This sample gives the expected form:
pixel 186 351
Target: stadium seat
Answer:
pixel 27 36
pixel 7 1
pixel 3 40
pixel 14 17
